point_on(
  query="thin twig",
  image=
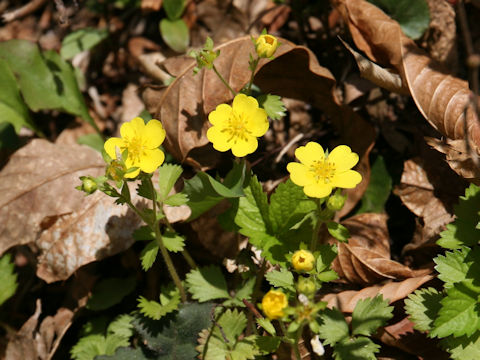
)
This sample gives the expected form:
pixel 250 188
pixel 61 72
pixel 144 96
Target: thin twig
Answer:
pixel 292 142
pixel 23 11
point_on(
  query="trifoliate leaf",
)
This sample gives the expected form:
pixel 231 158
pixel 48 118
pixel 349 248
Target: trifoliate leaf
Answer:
pixel 109 292
pixel 121 326
pixel 464 347
pixel 88 347
pixel 8 279
pixel 463 230
pixel 149 254
pixel 168 175
pixel 156 310
pixel 245 292
pixel 207 284
pixel 460 313
pixel 378 190
pixel 422 306
pixel 173 242
pixel 370 314
pixel 360 348
pixel 233 322
pixel 177 199
pixel 273 105
pixel 326 255
pixel 333 327
pixel 338 231
pixel 452 267
pixel 281 278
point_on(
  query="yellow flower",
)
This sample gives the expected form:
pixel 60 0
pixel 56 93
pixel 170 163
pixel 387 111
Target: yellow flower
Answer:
pixel 266 45
pixel 237 127
pixel 303 260
pixel 273 304
pixel 319 174
pixel 142 142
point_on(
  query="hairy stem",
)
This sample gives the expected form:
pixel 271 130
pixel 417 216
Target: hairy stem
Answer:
pixel 223 80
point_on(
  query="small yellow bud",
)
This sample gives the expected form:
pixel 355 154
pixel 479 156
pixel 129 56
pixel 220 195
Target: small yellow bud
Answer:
pixel 266 45
pixel 273 304
pixel 303 260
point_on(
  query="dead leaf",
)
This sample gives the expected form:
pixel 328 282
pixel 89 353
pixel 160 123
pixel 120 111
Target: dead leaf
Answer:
pixel 39 182
pixel 365 259
pixel 346 301
pixel 440 97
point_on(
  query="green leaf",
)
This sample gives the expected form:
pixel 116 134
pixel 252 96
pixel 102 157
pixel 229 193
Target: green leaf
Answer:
pixel 370 314
pixel 338 231
pixel 174 8
pixel 12 106
pixel 463 230
pixel 333 327
pixel 175 33
pixel 124 353
pixel 177 199
pixel 326 255
pixel 173 242
pixel 169 301
pixel 81 40
pixel 121 326
pixel 452 267
pixel 281 278
pixel 267 325
pixel 95 141
pixel 8 137
pixel 360 348
pixel 422 306
pixel 412 15
pixel 252 213
pixel 88 347
pixel 378 190
pixel 149 255
pixel 273 105
pixel 168 175
pixel 46 81
pixel 109 292
pixel 267 344
pixel 288 205
pixel 207 284
pixel 245 292
pixel 459 314
pixel 464 347
pixel 8 279
pixel 175 337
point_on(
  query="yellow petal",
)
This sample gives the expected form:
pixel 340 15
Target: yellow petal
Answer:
pixel 111 145
pixel 133 128
pixel 300 174
pixel 347 179
pixel 220 115
pixel 151 160
pixel 318 190
pixel 218 139
pixel 309 153
pixel 257 122
pixel 132 174
pixel 343 158
pixel 153 134
pixel 244 104
pixel 245 146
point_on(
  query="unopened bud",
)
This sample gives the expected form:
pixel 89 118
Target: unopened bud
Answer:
pixel 266 45
pixel 306 286
pixel 89 185
pixel 336 201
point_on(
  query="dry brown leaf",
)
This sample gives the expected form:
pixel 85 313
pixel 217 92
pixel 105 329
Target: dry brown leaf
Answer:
pixel 38 184
pixel 365 259
pixel 347 300
pixel 440 97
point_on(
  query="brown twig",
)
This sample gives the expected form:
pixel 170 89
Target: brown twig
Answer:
pixel 23 11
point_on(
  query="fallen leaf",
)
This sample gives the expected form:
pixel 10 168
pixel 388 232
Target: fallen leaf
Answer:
pixel 39 183
pixel 346 301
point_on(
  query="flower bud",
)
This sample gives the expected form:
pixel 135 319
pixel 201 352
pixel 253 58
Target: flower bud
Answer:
pixel 336 201
pixel 266 45
pixel 303 260
pixel 273 304
pixel 306 286
pixel 116 170
pixel 89 185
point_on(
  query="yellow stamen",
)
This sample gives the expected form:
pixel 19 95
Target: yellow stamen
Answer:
pixel 323 170
pixel 236 127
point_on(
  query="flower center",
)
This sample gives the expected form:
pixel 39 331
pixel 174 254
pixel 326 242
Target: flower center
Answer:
pixel 269 40
pixel 323 170
pixel 236 128
pixel 135 148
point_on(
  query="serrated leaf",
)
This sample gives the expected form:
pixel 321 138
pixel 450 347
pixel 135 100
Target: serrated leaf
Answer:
pixel 459 314
pixel 245 292
pixel 144 188
pixel 378 190
pixel 173 241
pixel 12 106
pixel 8 278
pixel 281 278
pixel 360 348
pixel 175 337
pixel 168 175
pixel 149 254
pixel 422 306
pixel 370 314
pixel 177 199
pixel 156 310
pixel 88 347
pixel 463 230
pixel 273 105
pixel 327 276
pixel 338 231
pixel 233 322
pixel 207 284
pixel 143 233
pixel 333 327
pixel 175 33
pixel 412 15
pixel 81 40
pixel 252 212
pixel 267 344
pixel 452 267
pixel 121 326
pixel 173 8
pixel 464 347
pixel 109 292
pixel 267 325
pixel 124 353
pixel 326 255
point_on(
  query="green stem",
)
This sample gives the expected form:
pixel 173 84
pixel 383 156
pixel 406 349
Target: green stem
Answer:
pixel 254 67
pixel 295 345
pixel 223 80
